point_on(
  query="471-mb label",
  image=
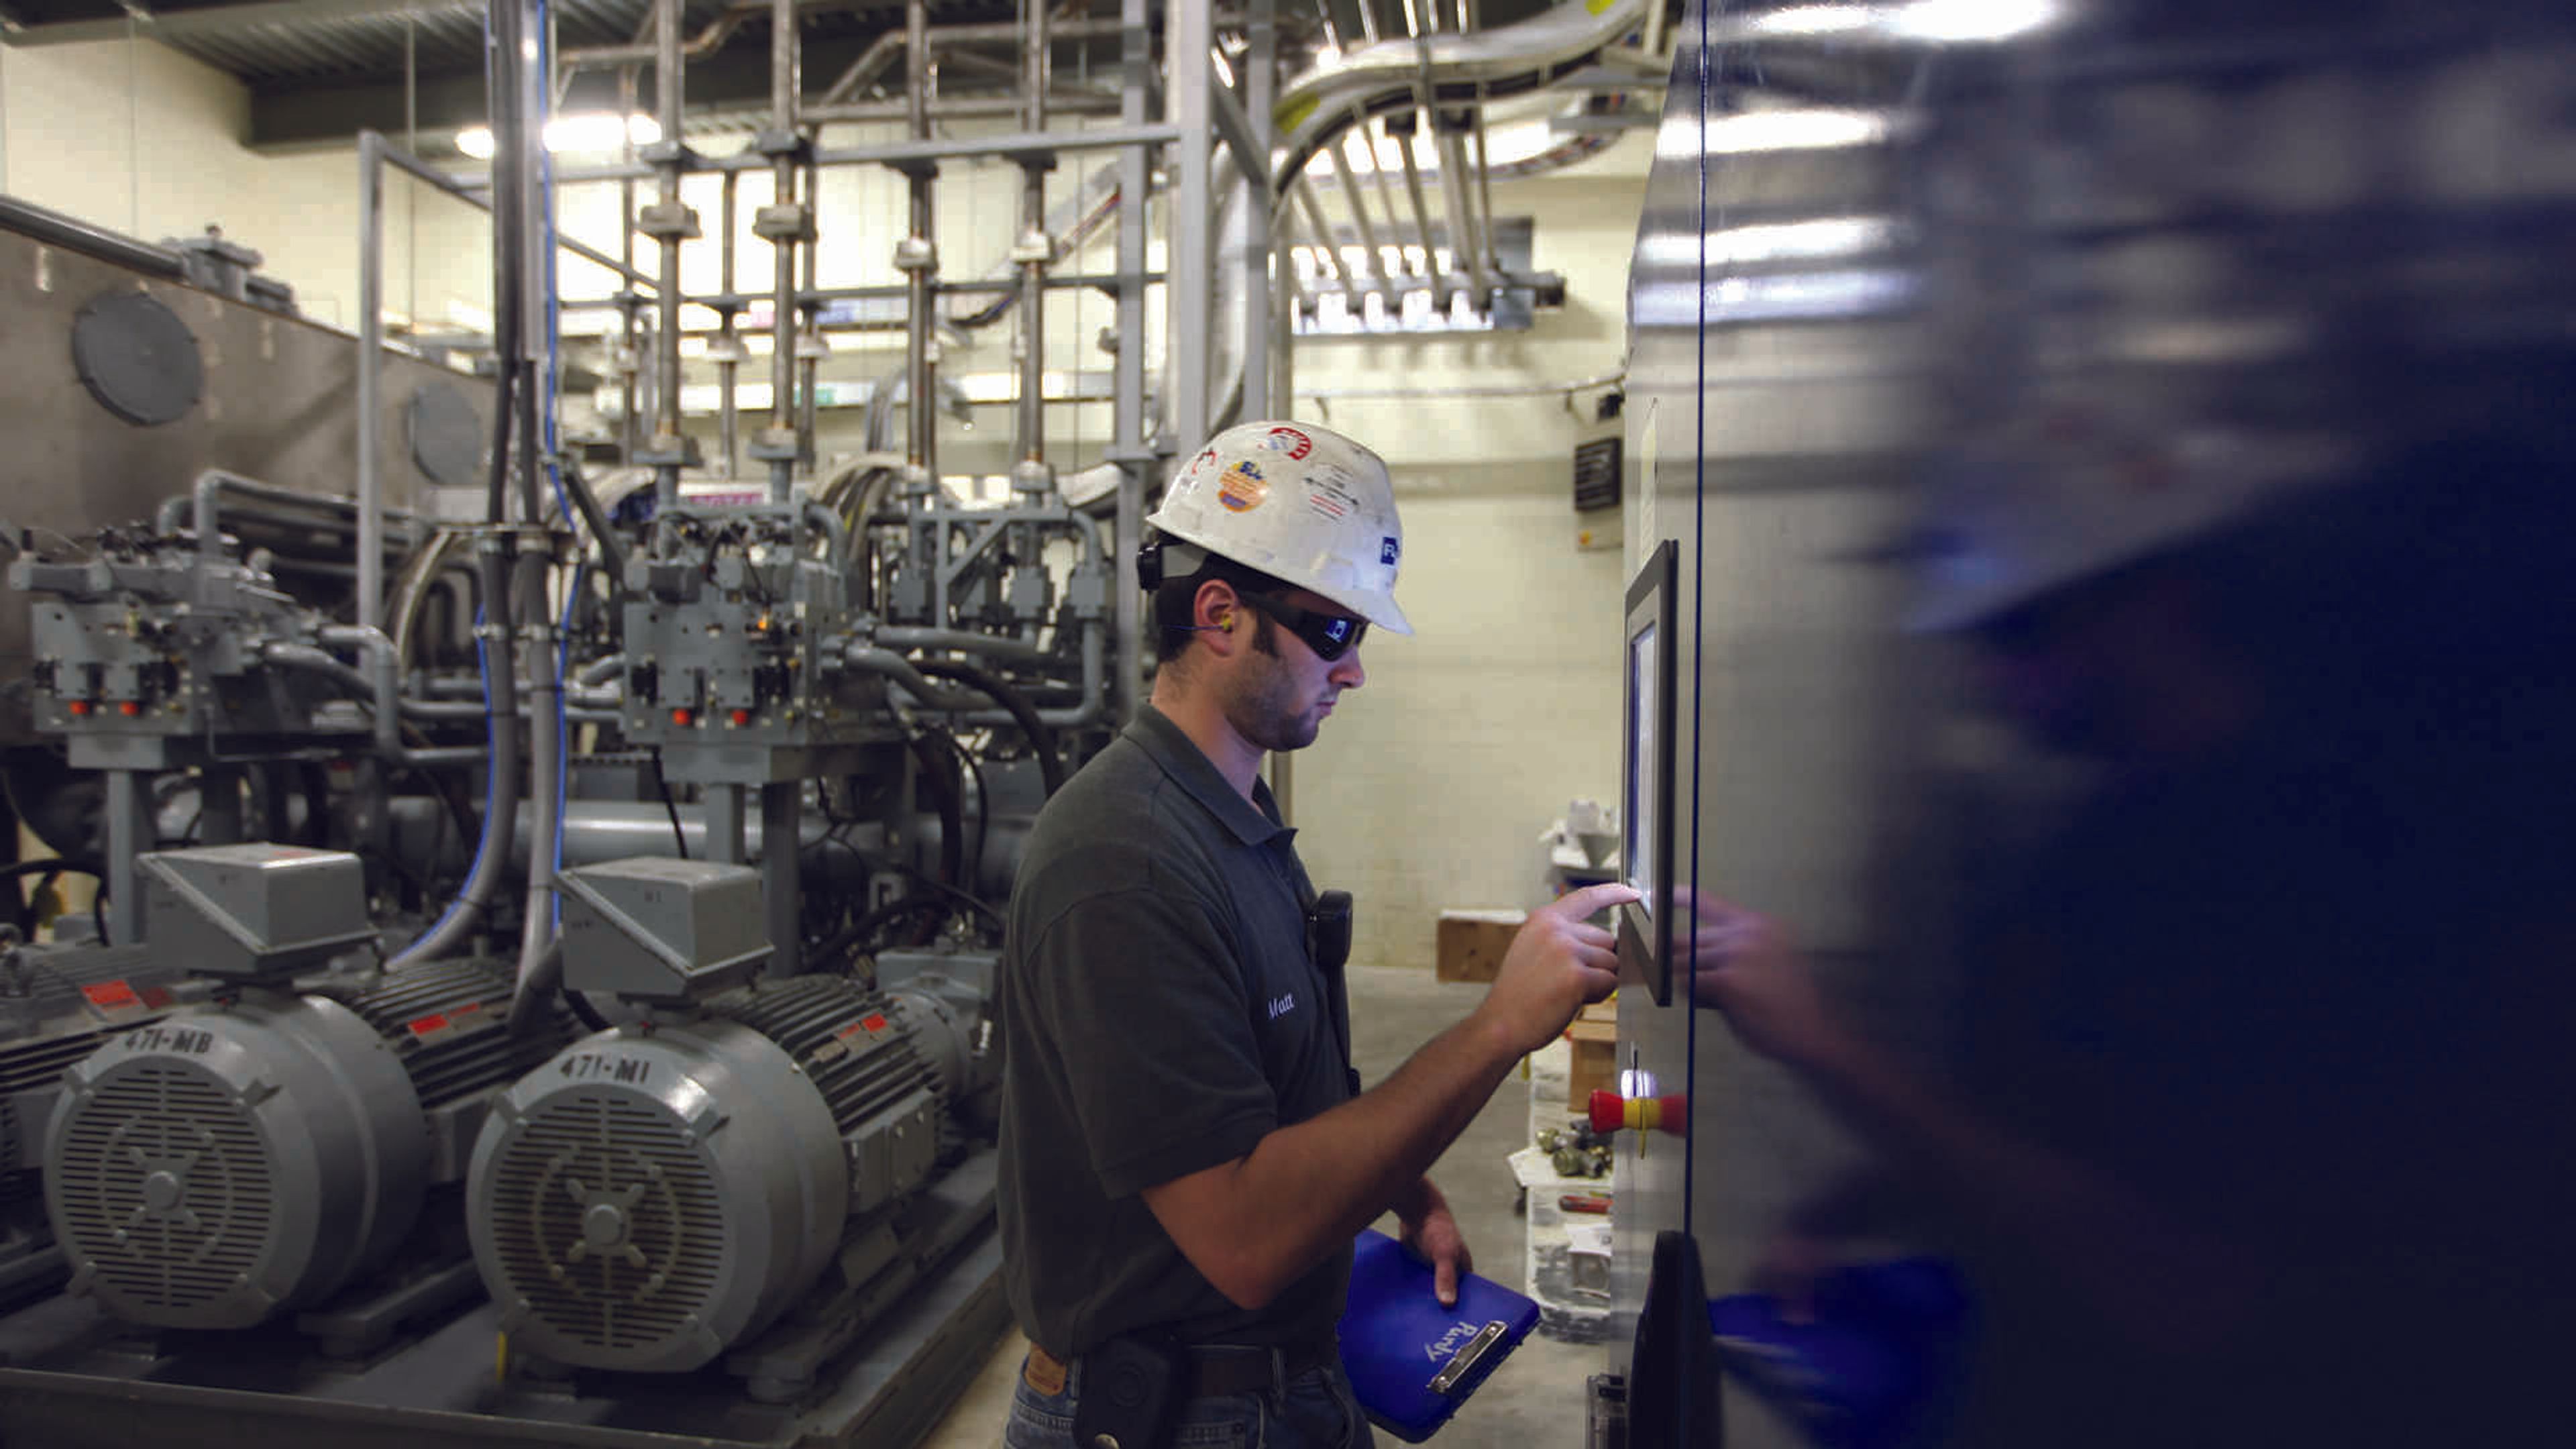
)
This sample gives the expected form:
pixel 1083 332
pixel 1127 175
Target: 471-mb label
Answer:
pixel 602 1067
pixel 184 1040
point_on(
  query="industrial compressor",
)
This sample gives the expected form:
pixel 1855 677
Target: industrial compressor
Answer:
pixel 665 1191
pixel 262 1152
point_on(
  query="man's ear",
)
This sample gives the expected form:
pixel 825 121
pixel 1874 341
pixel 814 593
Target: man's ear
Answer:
pixel 1216 604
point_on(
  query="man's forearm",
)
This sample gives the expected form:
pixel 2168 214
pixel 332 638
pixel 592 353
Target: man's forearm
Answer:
pixel 1306 1189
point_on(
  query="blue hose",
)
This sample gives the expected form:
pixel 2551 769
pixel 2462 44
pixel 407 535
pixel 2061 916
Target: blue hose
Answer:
pixel 492 786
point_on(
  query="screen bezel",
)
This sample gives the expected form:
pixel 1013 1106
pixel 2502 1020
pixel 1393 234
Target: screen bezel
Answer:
pixel 1645 929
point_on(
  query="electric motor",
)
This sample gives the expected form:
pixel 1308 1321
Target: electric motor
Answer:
pixel 236 1160
pixel 658 1193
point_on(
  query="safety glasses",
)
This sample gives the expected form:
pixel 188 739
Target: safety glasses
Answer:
pixel 1330 635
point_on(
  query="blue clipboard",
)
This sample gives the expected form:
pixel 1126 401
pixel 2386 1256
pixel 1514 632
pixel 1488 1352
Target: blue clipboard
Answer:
pixel 1411 1361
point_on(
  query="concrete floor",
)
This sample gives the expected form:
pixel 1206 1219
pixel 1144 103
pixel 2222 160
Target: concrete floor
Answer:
pixel 1535 1401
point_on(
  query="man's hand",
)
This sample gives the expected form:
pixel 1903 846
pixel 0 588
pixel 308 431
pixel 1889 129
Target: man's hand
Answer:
pixel 1741 963
pixel 1556 963
pixel 1432 1235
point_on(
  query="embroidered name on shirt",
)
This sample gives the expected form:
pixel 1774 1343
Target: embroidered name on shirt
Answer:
pixel 1283 1005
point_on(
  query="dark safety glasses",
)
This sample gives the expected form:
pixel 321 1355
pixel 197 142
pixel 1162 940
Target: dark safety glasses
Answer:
pixel 1330 635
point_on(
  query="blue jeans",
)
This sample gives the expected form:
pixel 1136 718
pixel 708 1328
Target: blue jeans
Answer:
pixel 1314 1410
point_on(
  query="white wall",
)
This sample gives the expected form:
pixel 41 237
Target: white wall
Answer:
pixel 135 137
pixel 1429 786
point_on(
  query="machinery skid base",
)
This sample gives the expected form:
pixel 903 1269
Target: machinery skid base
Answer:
pixel 73 1380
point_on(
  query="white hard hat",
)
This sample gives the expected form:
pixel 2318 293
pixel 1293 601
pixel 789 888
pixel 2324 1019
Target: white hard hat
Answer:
pixel 1301 503
pixel 2007 525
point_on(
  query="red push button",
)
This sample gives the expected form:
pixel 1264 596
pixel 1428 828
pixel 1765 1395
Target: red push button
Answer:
pixel 742 716
pixel 78 706
pixel 1610 1112
pixel 682 718
pixel 129 709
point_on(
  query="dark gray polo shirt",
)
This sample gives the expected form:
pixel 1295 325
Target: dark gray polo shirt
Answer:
pixel 1161 1014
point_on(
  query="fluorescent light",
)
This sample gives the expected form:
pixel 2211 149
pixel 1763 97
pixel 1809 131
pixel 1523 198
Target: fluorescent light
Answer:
pixel 589 132
pixel 1753 132
pixel 1785 241
pixel 1951 21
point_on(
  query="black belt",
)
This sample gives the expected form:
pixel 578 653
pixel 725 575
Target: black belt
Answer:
pixel 1216 1370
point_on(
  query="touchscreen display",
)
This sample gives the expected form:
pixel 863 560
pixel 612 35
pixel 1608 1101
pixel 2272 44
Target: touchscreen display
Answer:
pixel 1636 819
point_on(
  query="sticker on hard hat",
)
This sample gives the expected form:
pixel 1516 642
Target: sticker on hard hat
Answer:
pixel 1241 487
pixel 1387 549
pixel 1289 441
pixel 1329 493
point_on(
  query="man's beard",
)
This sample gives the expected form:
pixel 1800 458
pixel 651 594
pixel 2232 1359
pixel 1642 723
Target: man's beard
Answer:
pixel 1270 712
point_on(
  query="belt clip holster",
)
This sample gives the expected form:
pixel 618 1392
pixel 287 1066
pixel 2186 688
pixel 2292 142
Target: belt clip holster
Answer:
pixel 1130 1387
pixel 1328 931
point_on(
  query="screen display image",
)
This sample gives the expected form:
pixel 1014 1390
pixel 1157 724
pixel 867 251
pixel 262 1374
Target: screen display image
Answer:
pixel 1646 795
pixel 1637 846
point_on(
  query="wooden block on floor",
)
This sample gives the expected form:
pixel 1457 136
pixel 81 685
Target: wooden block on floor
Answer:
pixel 1471 943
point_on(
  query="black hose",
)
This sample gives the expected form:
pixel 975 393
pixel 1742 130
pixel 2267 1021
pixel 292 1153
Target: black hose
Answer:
pixel 679 837
pixel 843 948
pixel 967 766
pixel 49 868
pixel 586 503
pixel 952 811
pixel 1041 739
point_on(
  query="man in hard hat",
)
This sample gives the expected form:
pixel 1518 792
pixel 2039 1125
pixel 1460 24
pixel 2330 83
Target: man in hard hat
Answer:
pixel 2257 1136
pixel 1186 1155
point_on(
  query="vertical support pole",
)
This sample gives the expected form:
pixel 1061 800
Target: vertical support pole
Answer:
pixel 1187 289
pixel 728 348
pixel 1261 85
pixel 129 834
pixel 1034 243
pixel 919 260
pixel 371 369
pixel 782 805
pixel 782 438
pixel 1135 167
pixel 668 447
pixel 629 425
pixel 724 823
pixel 809 309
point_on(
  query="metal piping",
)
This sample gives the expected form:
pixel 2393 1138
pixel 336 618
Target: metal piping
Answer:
pixel 668 79
pixel 1189 295
pixel 963 641
pixel 1034 243
pixel 72 234
pixel 630 362
pixel 1463 240
pixel 783 81
pixel 1359 204
pixel 962 108
pixel 1485 191
pixel 501 711
pixel 1325 242
pixel 1128 402
pixel 1421 211
pixel 880 52
pixel 920 257
pixel 1072 717
pixel 887 663
pixel 705 43
pixel 809 353
pixel 206 511
pixel 728 348
pixel 371 341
